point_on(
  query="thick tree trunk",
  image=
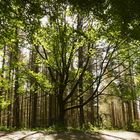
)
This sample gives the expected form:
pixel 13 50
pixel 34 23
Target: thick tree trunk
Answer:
pixel 61 109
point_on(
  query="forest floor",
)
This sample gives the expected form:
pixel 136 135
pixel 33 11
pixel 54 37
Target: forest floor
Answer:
pixel 40 135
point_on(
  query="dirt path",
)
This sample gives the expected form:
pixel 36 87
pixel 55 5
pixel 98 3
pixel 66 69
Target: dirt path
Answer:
pixel 119 135
pixel 102 135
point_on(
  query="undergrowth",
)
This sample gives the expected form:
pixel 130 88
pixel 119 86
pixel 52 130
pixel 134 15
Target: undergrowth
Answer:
pixel 58 128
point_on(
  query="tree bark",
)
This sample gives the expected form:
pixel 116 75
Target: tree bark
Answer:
pixel 80 65
pixel 61 115
pixel 16 107
pixel 33 92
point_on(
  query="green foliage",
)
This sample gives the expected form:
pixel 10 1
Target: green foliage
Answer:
pixel 136 126
pixel 41 79
pixel 91 128
pixel 4 83
pixel 119 13
pixel 56 128
pixel 4 103
pixel 6 129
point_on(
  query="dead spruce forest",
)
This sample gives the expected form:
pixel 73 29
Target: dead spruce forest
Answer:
pixel 70 63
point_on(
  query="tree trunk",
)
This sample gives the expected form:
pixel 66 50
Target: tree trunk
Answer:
pixel 2 76
pixel 50 121
pixel 61 109
pixel 16 84
pixel 135 110
pixel 124 114
pixel 10 93
pixel 113 115
pixel 33 93
pixel 80 65
pixel 130 117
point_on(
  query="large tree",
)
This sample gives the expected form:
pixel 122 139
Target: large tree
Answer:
pixel 68 47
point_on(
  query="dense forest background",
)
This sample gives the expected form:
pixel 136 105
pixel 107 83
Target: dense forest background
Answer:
pixel 72 63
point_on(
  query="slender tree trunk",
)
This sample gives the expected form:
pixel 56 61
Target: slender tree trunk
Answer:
pixel 16 101
pixel 113 115
pixel 33 92
pixel 124 114
pixel 16 108
pixel 50 111
pixel 98 115
pixel 80 65
pixel 91 105
pixel 2 76
pixel 34 110
pixel 135 110
pixel 10 92
pixel 130 117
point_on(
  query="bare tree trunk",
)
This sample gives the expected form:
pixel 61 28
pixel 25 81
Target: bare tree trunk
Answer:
pixel 2 76
pixel 80 65
pixel 33 92
pixel 124 113
pixel 135 110
pixel 16 108
pixel 113 115
pixel 130 117
pixel 50 119
pixel 10 89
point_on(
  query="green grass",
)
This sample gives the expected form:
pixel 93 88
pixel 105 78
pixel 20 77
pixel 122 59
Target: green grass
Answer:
pixel 59 128
pixel 7 129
